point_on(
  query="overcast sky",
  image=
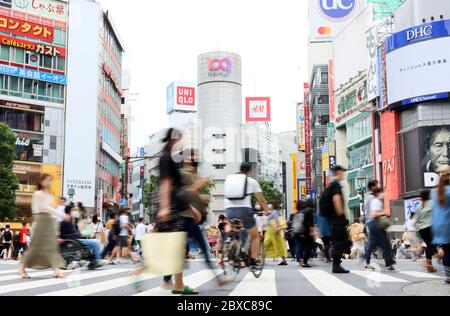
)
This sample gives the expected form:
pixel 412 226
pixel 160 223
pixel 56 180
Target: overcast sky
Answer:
pixel 164 37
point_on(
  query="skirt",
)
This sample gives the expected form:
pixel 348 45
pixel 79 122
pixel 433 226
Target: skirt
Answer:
pixel 274 244
pixel 44 252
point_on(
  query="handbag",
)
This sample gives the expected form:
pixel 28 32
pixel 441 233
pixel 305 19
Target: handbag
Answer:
pixel 164 253
pixel 383 222
pixel 282 223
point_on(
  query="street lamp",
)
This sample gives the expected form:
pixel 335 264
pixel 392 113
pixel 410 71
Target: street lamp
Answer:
pixel 361 179
pixel 71 193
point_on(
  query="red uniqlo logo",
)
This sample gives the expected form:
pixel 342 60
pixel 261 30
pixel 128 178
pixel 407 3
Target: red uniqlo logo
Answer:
pixel 186 96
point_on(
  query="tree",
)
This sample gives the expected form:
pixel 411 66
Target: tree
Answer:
pixel 9 183
pixel 150 186
pixel 271 193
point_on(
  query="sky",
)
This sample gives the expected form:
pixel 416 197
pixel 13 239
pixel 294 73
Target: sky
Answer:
pixel 163 38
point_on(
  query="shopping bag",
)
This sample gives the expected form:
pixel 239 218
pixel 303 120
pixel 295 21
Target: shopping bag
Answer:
pixel 164 253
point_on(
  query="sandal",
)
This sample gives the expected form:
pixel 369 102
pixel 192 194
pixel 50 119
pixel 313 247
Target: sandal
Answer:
pixel 24 275
pixel 58 276
pixel 187 291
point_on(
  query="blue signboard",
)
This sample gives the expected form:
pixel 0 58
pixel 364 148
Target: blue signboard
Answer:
pixel 424 98
pixel 337 10
pixel 171 98
pixel 123 202
pixel 142 152
pixel 33 74
pixel 418 34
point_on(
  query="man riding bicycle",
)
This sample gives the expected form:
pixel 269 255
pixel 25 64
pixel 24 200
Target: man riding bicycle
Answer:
pixel 238 192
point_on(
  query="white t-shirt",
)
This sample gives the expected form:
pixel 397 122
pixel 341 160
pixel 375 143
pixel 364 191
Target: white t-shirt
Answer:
pixel 375 205
pixel 252 187
pixel 123 220
pixel 140 231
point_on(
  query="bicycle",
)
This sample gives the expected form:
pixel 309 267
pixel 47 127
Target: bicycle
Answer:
pixel 237 248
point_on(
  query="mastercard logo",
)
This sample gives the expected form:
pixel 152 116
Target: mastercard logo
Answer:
pixel 324 30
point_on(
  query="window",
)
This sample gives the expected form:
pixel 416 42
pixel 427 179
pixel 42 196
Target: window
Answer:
pixel 323 99
pixel 219 151
pixel 60 37
pixel 28 86
pixel 5 52
pixel 324 119
pixel 219 167
pixel 52 142
pixel 219 135
pixel 60 63
pixel 324 78
pixel 19 55
pixel 46 61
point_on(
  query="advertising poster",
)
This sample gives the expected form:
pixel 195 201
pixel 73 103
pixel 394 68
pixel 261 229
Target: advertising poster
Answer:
pixel 427 149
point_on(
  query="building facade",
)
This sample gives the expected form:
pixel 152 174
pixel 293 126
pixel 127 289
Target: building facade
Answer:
pixel 93 118
pixel 220 115
pixel 33 52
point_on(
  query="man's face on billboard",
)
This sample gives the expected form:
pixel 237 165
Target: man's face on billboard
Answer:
pixel 440 148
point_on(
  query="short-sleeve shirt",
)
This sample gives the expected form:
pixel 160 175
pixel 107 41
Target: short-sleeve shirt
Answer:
pixel 375 204
pixel 169 169
pixel 123 221
pixel 335 189
pixel 252 187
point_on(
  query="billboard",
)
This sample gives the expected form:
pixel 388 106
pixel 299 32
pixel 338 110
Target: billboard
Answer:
pixel 328 17
pixel 26 28
pixel 38 48
pixel 257 109
pixel 373 70
pixel 301 126
pixel 51 9
pixel 307 136
pixel 80 170
pixel 33 74
pixel 416 59
pixel 181 97
pixel 427 149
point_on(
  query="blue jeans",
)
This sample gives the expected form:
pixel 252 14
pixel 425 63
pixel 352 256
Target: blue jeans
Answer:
pixel 378 237
pixel 94 244
pixel 298 248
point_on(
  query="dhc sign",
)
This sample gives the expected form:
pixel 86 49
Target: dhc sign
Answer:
pixel 420 32
pixel 417 34
pixel 337 9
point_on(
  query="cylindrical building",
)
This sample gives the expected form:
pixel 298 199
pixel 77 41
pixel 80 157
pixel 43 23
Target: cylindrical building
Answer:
pixel 220 115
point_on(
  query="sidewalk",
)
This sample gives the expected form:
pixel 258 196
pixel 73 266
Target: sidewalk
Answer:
pixel 428 288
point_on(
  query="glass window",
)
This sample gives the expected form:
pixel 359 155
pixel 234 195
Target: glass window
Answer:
pixel 28 86
pixel 5 52
pixel 19 55
pixel 14 83
pixel 60 37
pixel 52 142
pixel 61 63
pixel 47 61
pixel 41 89
pixel 324 78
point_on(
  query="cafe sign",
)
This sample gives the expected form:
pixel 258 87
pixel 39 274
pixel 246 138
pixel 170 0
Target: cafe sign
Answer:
pixel 351 101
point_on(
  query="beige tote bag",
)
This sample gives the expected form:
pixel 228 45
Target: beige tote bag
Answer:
pixel 164 253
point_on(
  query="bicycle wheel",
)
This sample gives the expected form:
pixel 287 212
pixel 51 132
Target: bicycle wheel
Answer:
pixel 261 261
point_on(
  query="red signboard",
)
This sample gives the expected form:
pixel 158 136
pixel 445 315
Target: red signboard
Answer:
pixel 186 96
pixel 258 109
pixel 26 28
pixel 33 47
pixel 307 137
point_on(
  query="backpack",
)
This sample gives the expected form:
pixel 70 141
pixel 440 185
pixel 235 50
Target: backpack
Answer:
pixel 326 208
pixel 7 236
pixel 116 227
pixel 236 187
pixel 297 223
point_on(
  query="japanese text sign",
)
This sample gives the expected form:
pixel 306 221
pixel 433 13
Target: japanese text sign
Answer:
pixel 25 28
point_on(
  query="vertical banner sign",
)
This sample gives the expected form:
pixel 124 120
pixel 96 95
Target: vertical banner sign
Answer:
pixel 372 64
pixel 307 136
pixel 294 180
pixel 383 79
pixel 331 88
pixel 301 127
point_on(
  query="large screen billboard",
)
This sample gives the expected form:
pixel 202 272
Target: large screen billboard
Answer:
pixel 416 59
pixel 427 149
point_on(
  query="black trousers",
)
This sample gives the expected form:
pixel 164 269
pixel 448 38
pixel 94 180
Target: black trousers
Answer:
pixel 307 244
pixel 327 246
pixel 427 237
pixel 339 237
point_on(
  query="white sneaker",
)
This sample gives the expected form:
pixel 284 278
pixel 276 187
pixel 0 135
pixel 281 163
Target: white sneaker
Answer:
pixel 369 268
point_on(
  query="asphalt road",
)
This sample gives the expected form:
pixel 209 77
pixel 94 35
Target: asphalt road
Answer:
pixel 275 281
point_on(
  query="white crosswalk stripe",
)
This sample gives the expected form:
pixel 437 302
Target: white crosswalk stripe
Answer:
pixel 250 286
pixel 194 280
pixel 71 278
pixel 329 285
pixel 93 288
pixel 421 275
pixel 115 280
pixel 379 277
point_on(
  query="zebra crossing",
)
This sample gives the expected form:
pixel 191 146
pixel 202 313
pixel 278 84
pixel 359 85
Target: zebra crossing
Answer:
pixel 116 281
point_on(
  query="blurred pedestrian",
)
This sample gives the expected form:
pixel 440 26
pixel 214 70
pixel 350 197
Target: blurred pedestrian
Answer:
pixel 441 217
pixel 424 221
pixel 44 252
pixel 306 208
pixel 358 237
pixel 274 242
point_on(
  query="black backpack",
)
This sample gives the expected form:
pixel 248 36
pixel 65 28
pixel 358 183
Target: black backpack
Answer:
pixel 7 236
pixel 326 208
pixel 116 227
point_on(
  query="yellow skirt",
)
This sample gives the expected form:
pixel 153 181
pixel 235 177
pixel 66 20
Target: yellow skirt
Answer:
pixel 274 244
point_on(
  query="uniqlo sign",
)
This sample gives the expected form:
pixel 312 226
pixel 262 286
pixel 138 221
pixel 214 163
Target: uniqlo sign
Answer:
pixel 181 97
pixel 258 109
pixel 186 96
